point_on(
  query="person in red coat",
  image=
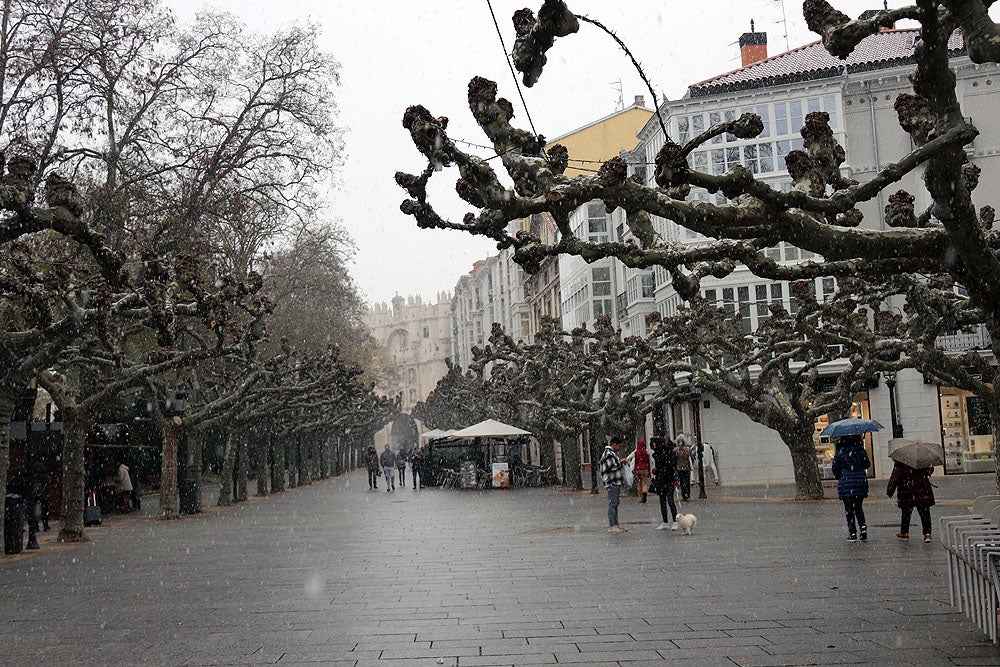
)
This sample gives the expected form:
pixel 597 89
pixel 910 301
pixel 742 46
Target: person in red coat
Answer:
pixel 913 490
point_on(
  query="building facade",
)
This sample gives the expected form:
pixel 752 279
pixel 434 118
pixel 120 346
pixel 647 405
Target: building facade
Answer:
pixel 858 94
pixel 416 339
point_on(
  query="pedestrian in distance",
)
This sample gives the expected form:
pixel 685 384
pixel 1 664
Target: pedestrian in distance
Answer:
pixel 40 480
pixel 374 469
pixel 401 465
pixel 124 487
pixel 682 450
pixel 913 489
pixel 641 459
pixel 665 480
pixel 850 465
pixel 416 462
pixel 388 461
pixel 611 475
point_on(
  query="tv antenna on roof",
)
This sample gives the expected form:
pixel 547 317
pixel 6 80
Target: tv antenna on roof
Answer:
pixel 617 85
pixel 783 22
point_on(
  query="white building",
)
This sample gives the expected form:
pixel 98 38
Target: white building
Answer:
pixel 858 94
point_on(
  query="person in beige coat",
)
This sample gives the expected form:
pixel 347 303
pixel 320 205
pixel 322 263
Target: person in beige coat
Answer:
pixel 124 487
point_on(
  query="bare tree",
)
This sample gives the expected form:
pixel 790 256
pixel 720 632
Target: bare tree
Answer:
pixel 820 214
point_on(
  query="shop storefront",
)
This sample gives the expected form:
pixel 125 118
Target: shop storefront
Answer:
pixel 966 432
pixel 825 446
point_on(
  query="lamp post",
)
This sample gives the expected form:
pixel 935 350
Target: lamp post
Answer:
pixel 890 383
pixel 699 447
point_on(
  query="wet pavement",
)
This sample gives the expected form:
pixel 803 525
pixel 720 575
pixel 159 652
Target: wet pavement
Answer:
pixel 336 574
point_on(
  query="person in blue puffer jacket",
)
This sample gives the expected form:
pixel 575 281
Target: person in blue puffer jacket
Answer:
pixel 850 465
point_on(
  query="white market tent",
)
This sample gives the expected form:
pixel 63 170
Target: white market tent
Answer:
pixel 490 428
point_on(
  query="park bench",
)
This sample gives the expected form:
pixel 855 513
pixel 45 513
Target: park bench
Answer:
pixel 973 545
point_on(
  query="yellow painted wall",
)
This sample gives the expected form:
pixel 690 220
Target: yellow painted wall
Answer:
pixel 603 139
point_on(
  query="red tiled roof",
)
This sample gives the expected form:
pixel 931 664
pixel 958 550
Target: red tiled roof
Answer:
pixel 885 49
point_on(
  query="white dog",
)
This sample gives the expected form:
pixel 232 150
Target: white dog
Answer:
pixel 686 522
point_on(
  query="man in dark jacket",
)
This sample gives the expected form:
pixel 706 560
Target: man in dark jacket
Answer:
pixel 913 490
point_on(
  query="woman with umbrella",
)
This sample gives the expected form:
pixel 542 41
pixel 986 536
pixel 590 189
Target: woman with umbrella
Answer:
pixel 910 481
pixel 850 465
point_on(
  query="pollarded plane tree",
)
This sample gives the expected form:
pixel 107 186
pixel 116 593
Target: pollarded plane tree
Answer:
pixel 458 400
pixel 778 376
pixel 565 385
pixel 820 214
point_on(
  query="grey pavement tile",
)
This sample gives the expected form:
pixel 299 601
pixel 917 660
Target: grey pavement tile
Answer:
pixel 500 660
pixel 591 656
pixel 409 662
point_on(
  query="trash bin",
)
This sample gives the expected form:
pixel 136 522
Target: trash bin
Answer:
pixel 188 492
pixel 13 524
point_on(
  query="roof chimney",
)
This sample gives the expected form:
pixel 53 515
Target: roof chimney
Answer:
pixel 753 46
pixel 869 13
pixel 640 101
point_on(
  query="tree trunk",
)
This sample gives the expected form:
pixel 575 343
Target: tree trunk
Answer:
pixel 808 485
pixel 597 438
pixel 574 474
pixel 8 399
pixel 242 463
pixel 195 444
pixel 76 425
pixel 293 461
pixel 170 502
pixel 278 468
pixel 228 466
pixel 263 470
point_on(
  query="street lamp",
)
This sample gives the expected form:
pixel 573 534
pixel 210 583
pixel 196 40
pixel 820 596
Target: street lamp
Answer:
pixel 890 382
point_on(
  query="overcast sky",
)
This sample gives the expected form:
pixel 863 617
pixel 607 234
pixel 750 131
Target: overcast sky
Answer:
pixel 394 53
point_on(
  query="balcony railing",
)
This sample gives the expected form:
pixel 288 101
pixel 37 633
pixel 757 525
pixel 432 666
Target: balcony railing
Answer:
pixel 958 342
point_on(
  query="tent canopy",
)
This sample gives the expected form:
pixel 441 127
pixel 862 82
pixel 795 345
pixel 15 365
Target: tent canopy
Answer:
pixel 490 428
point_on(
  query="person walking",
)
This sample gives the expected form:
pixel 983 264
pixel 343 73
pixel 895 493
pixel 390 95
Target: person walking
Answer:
pixel 124 487
pixel 388 461
pixel 682 452
pixel 611 475
pixel 374 470
pixel 416 461
pixel 913 490
pixel 664 478
pixel 641 456
pixel 401 465
pixel 850 466
pixel 40 480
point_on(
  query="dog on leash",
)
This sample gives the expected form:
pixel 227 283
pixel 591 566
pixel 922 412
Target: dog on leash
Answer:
pixel 686 522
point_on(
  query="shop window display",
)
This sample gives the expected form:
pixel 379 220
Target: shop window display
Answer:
pixel 967 435
pixel 826 447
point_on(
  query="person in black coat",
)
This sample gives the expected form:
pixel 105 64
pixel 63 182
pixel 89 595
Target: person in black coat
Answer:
pixel 665 467
pixel 40 480
pixel 850 466
pixel 913 490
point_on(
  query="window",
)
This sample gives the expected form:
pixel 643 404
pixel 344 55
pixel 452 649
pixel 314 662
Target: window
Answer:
pixel 597 222
pixel 427 332
pixel 795 116
pixel 780 119
pixel 683 132
pixel 602 281
pixel 697 124
pixel 743 307
pixel 762 111
pixel 715 118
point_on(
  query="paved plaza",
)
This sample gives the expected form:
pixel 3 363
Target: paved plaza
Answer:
pixel 336 574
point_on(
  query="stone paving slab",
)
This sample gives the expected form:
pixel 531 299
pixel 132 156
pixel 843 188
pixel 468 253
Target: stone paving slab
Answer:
pixel 334 574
